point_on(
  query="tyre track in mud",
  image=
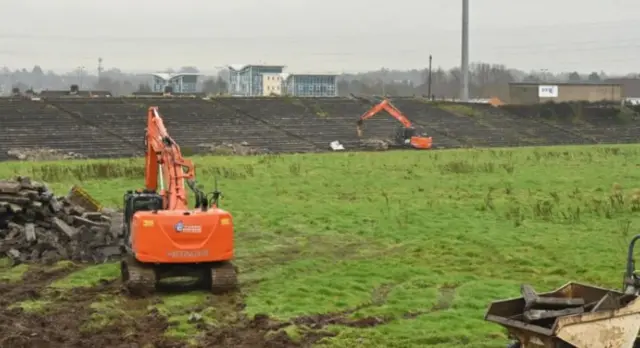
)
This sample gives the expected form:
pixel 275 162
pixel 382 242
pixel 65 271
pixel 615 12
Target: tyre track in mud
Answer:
pixel 33 282
pixel 62 323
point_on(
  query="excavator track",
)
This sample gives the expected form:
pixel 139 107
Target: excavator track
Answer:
pixel 138 279
pixel 224 277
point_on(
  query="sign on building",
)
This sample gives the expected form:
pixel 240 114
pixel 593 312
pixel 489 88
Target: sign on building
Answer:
pixel 548 91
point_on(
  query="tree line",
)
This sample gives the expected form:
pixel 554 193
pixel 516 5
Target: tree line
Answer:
pixel 486 80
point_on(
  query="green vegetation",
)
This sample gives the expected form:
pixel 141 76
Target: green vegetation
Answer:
pixel 437 234
pixel 32 305
pixel 87 277
pixel 11 274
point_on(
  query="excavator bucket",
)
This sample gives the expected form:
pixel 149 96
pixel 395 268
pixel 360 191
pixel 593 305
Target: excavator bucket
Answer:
pixel 80 197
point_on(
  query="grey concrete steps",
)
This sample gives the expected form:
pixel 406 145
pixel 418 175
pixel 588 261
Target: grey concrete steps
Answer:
pixel 115 127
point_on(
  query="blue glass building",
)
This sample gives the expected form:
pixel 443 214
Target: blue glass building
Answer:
pixel 180 82
pixel 247 80
pixel 311 85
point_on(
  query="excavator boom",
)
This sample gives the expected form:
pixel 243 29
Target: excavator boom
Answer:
pixel 164 161
pixel 406 137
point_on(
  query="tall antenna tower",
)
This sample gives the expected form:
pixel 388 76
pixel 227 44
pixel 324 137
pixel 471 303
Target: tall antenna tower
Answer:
pixel 100 68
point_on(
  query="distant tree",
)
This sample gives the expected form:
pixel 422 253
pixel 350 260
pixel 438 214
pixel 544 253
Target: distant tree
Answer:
pixel 215 86
pixel 594 77
pixel 37 70
pixel 574 77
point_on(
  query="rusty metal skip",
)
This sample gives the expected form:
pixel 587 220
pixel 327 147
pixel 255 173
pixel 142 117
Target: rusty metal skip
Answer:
pixel 597 317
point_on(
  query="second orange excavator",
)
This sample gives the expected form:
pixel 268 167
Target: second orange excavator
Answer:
pixel 406 135
pixel 163 236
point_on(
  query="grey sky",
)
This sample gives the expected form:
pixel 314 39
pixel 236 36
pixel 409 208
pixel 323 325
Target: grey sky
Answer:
pixel 322 36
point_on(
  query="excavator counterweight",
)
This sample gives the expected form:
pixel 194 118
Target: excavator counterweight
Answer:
pixel 406 136
pixel 163 236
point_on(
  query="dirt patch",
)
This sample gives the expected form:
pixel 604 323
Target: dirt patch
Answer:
pixel 31 286
pixel 262 331
pixel 62 324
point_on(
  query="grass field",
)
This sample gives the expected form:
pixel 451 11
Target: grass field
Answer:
pixel 421 240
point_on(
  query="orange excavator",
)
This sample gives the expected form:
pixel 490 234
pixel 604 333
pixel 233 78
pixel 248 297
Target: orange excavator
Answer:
pixel 165 238
pixel 406 135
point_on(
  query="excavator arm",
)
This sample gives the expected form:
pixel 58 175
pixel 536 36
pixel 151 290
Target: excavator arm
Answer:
pixel 389 108
pixel 166 166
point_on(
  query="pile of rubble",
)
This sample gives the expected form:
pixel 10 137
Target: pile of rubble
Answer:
pixel 375 144
pixel 41 154
pixel 37 226
pixel 241 149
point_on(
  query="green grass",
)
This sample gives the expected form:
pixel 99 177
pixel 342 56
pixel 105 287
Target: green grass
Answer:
pixel 109 309
pixel 89 276
pixel 11 274
pixel 32 306
pixel 328 232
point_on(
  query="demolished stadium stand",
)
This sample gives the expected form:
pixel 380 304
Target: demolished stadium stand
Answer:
pixel 112 127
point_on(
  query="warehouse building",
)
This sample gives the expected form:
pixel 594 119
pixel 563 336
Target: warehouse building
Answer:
pixel 534 92
pixel 179 83
pixel 630 86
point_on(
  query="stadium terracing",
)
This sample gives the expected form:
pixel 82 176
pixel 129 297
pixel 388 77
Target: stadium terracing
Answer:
pixel 102 127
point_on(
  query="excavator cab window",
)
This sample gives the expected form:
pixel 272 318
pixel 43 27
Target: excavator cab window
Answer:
pixel 404 134
pixel 139 201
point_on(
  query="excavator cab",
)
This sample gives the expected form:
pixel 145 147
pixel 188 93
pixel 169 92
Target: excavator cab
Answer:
pixel 404 135
pixel 138 201
pixel 409 136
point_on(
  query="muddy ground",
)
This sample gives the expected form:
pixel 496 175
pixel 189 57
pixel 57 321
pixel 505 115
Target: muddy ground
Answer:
pixel 63 323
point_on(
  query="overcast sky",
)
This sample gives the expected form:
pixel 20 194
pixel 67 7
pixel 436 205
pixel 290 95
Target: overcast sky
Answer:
pixel 319 36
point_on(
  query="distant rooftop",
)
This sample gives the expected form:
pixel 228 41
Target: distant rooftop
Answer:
pixel 169 76
pixel 313 74
pixel 238 67
pixel 565 83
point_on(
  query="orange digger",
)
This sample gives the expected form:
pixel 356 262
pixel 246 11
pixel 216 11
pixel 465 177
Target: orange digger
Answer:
pixel 165 238
pixel 406 135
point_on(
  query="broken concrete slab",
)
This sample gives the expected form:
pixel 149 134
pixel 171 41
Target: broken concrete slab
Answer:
pixel 9 186
pixel 87 222
pixel 30 232
pixel 541 314
pixel 64 227
pixel 533 300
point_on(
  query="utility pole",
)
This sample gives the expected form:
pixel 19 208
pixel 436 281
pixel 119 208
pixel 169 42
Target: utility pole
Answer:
pixel 429 79
pixel 464 68
pixel 100 69
pixel 80 72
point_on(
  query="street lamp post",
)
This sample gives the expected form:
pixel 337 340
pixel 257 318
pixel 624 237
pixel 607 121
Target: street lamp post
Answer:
pixel 80 72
